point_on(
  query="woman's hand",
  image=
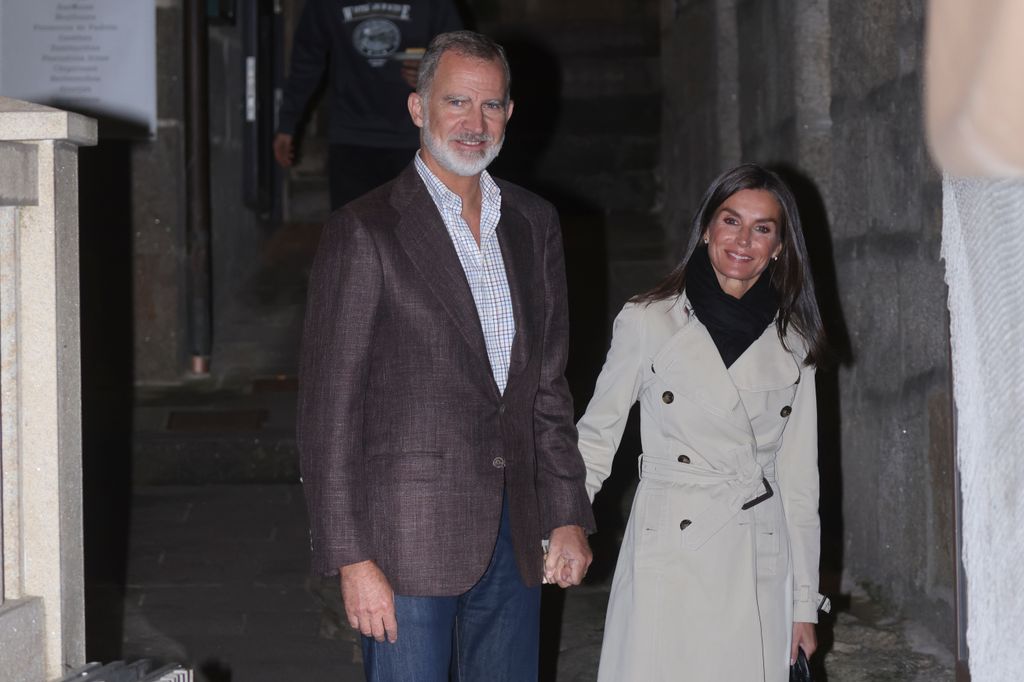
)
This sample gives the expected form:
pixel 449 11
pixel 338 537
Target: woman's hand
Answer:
pixel 803 637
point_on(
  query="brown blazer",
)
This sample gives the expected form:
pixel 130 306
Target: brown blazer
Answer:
pixel 405 443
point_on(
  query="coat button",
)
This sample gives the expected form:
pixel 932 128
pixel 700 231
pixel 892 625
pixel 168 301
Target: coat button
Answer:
pixel 498 462
pixel 684 524
pixel 667 397
pixel 786 411
pixel 501 409
pixel 684 459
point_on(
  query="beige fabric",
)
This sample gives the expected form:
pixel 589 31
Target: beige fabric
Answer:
pixel 716 600
pixel 973 86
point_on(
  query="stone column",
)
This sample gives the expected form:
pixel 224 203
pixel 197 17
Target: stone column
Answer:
pixel 42 619
pixel 813 87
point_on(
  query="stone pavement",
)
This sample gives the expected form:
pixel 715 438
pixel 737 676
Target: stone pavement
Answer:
pixel 217 579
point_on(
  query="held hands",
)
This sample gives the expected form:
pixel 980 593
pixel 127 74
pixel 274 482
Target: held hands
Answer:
pixel 369 601
pixel 804 638
pixel 568 556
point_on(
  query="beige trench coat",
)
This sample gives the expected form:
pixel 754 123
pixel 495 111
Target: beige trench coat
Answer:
pixel 705 590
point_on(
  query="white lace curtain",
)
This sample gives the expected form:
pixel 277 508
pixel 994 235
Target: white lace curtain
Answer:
pixel 974 92
pixel 983 246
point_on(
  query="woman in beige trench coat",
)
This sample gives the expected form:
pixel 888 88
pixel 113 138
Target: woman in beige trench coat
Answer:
pixel 717 578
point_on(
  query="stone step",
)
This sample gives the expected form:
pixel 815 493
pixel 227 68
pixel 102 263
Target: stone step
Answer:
pixel 173 459
pixel 198 433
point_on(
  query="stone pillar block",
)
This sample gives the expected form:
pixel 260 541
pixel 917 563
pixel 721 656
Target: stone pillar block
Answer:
pixel 42 619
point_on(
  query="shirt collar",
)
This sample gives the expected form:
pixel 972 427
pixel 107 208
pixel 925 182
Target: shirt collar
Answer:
pixel 445 199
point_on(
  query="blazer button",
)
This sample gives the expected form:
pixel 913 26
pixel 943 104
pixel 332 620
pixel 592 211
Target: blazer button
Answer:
pixel 684 524
pixel 498 462
pixel 667 397
pixel 786 411
pixel 683 459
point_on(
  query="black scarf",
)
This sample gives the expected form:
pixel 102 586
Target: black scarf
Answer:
pixel 734 323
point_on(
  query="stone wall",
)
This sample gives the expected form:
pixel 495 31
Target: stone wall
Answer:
pixel 239 232
pixel 157 215
pixel 887 201
pixel 149 225
pixel 830 92
pixel 133 237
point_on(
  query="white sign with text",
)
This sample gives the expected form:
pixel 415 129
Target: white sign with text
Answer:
pixel 95 57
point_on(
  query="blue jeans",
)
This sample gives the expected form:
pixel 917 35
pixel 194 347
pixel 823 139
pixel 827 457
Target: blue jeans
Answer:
pixel 488 634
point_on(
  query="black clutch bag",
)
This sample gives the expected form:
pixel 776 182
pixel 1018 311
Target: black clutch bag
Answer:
pixel 800 671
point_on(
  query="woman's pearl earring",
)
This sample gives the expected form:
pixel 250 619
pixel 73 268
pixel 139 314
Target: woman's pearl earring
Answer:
pixel 705 240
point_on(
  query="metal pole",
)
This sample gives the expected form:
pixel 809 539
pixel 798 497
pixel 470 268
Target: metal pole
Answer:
pixel 197 179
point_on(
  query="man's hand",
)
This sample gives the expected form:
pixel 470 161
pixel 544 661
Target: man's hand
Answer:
pixel 284 149
pixel 568 557
pixel 411 72
pixel 803 637
pixel 369 601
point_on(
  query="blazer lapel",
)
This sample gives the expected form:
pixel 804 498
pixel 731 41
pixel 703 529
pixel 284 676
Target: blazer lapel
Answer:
pixel 426 242
pixel 515 240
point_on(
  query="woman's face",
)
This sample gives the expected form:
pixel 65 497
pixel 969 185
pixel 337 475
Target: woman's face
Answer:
pixel 743 236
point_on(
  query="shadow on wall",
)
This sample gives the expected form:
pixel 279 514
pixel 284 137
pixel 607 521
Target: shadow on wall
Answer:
pixel 216 671
pixel 537 94
pixel 817 234
pixel 105 229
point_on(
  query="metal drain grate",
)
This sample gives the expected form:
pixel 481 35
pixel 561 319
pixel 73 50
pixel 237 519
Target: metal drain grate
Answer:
pixel 139 671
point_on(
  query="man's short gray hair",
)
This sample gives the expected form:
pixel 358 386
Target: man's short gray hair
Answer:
pixel 465 44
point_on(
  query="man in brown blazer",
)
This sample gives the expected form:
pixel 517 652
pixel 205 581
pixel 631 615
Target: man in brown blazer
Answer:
pixel 435 424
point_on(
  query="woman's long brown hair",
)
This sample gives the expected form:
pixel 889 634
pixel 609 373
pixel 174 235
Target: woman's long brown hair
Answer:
pixel 791 274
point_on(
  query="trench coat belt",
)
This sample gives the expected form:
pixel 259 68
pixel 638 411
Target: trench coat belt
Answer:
pixel 738 489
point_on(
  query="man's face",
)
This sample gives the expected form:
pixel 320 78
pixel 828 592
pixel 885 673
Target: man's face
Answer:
pixel 462 118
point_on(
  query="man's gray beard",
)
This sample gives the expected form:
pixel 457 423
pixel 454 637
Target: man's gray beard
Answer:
pixel 452 161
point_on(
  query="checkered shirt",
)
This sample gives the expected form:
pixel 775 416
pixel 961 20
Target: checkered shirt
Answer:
pixel 483 265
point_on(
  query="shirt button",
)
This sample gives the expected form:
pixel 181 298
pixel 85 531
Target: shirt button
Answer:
pixel 786 411
pixel 667 397
pixel 684 524
pixel 683 459
pixel 498 462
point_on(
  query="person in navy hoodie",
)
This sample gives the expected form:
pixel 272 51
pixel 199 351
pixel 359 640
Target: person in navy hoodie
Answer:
pixel 370 50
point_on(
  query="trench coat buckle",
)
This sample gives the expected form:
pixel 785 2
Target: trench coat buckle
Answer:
pixel 768 492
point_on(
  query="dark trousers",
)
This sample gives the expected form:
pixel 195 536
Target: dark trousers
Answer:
pixel 488 634
pixel 355 170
